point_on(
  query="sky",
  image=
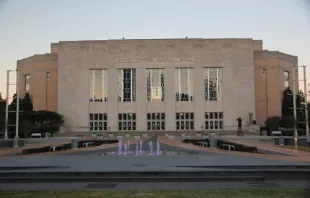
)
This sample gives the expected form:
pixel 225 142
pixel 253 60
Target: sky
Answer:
pixel 28 27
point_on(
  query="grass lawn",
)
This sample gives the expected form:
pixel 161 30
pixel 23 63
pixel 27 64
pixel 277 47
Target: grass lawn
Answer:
pixel 300 148
pixel 218 193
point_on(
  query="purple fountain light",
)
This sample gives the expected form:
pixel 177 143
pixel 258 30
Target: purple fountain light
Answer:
pixel 158 148
pixel 119 147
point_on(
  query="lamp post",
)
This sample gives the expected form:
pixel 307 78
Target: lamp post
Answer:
pixel 306 101
pixel 294 107
pixel 7 105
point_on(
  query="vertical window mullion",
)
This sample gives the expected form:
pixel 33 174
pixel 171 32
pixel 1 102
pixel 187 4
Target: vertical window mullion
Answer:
pixel 208 87
pixel 188 84
pixel 131 85
pixel 217 84
pixel 151 85
pixel 103 85
pixel 122 86
pixel 94 84
pixel 179 84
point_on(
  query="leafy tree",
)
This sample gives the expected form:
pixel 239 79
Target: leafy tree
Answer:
pixel 273 123
pixel 2 113
pixel 26 103
pixel 47 121
pixel 288 111
pixel 33 121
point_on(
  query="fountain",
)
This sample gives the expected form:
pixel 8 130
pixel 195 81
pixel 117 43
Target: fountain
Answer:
pixel 119 147
pixel 125 149
pixel 128 145
pixel 153 149
pixel 158 148
pixel 150 147
pixel 137 148
pixel 141 146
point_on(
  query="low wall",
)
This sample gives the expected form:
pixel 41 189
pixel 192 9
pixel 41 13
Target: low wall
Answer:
pixel 302 141
pixel 9 143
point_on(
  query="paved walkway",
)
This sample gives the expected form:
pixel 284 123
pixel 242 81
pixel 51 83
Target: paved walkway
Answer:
pixel 266 146
pixel 7 152
pixel 294 156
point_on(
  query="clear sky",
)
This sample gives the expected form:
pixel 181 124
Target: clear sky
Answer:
pixel 28 27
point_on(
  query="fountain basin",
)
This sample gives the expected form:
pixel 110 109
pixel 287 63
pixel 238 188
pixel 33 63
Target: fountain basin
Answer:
pixel 143 153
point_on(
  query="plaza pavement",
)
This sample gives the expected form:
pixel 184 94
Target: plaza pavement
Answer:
pixel 190 158
pixel 15 152
pixel 291 155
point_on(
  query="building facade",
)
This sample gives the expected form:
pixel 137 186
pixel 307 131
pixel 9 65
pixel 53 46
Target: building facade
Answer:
pixel 157 84
pixel 38 76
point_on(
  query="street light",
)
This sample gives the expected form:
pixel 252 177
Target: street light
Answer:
pixel 294 104
pixel 16 139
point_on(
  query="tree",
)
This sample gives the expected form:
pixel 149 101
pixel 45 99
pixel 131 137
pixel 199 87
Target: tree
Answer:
pixel 32 121
pixel 26 103
pixel 273 123
pixel 287 110
pixel 2 113
pixel 47 121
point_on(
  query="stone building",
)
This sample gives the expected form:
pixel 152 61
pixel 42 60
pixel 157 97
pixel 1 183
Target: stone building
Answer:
pixel 158 84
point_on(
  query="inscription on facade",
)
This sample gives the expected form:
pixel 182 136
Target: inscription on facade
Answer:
pixel 154 59
pixel 198 46
pixel 169 46
pixel 140 47
pixel 112 47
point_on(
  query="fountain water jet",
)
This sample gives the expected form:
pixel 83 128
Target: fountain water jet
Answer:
pixel 125 149
pixel 158 148
pixel 119 147
pixel 141 146
pixel 137 148
pixel 128 146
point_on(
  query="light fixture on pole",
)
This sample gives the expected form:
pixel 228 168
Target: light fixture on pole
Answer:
pixel 294 108
pixel 16 139
pixel 306 101
pixel 7 105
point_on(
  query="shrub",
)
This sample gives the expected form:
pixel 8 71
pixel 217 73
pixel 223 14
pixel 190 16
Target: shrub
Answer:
pixel 273 123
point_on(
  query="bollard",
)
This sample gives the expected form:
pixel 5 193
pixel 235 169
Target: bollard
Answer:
pixel 74 143
pixel 213 140
pixel 281 140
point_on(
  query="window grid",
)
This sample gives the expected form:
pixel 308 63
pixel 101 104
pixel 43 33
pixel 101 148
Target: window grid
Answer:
pixel 214 121
pixel 48 75
pixel 98 122
pixel 127 85
pixel 98 85
pixel 184 121
pixel 156 121
pixel 213 84
pixel 184 90
pixel 27 82
pixel 286 79
pixel 155 85
pixel 126 121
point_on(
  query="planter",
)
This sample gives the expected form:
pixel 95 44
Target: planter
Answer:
pixel 127 135
pixel 144 135
pixel 198 135
pixel 94 136
pixel 62 129
pixel 120 137
pixel 171 137
pixel 137 138
pixel 111 135
pixel 99 137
